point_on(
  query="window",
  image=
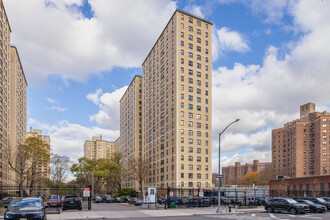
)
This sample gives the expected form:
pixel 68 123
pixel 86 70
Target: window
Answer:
pixel 190 54
pixel 190 89
pixel 198 91
pixel 182 78
pixel 191 29
pixel 198 82
pixel 190 132
pixel 182 17
pixel 182 140
pixel 199 99
pixel 206 159
pixel 182 122
pixel 206 101
pixel 190 166
pixel 199 142
pixel 190 80
pixel 182 131
pixel 182 61
pixel 199 125
pixel 206 150
pixel 206 51
pixel 182 34
pixel 182 25
pixel 199 107
pixel 199 49
pixel 198 23
pixel 182 70
pixel 199 65
pixel 182 105
pixel 198 116
pixel 190 37
pixel 182 166
pixel 206 59
pixel 206 67
pixel 190 63
pixel 190 106
pixel 206 92
pixel 182 52
pixel 199 159
pixel 199 57
pixel 190 123
pixel 190 72
pixel 190 20
pixel 182 88
pixel 206 167
pixel 206 76
pixel 182 149
pixel 190 46
pixel 199 40
pixel 206 26
pixel 199 133
pixel 206 43
pixel 190 115
pixel 190 98
pixel 182 158
pixel 190 184
pixel 199 32
pixel 206 34
pixel 182 43
pixel 199 74
pixel 199 167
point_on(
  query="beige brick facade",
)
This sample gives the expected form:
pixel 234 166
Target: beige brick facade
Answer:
pixel 98 148
pixel 301 147
pixel 177 109
pixel 18 110
pixel 131 129
pixel 43 167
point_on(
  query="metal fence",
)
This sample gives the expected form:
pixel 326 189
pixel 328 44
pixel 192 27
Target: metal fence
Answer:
pixel 44 193
pixel 185 198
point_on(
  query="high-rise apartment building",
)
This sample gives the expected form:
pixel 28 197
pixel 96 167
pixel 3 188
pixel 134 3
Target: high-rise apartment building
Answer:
pixel 4 93
pixel 177 109
pixel 301 147
pixel 232 175
pixel 131 130
pixel 43 169
pixel 98 148
pixel 18 86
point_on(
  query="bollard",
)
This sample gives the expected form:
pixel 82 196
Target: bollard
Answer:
pixel 226 207
pixel 236 208
pixel 229 208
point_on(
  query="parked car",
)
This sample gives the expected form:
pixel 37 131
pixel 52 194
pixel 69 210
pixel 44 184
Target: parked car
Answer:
pixel 71 202
pixel 97 199
pixel 326 199
pixel 136 201
pixel 28 208
pixel 54 201
pixel 7 200
pixel 118 200
pixel 197 202
pixel 126 199
pixel 108 199
pixel 318 201
pixel 286 205
pixel 312 206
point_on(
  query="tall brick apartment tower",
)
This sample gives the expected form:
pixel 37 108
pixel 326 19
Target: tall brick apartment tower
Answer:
pixel 301 147
pixel 177 108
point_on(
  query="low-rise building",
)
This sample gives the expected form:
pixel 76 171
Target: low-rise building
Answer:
pixel 233 174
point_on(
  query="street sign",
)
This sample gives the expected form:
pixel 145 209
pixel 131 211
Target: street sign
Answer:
pixel 219 176
pixel 201 193
pixel 171 194
pixel 87 192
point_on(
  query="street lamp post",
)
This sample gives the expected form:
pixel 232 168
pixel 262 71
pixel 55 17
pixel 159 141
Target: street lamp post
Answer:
pixel 219 179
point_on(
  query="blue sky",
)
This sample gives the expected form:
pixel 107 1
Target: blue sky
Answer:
pixel 269 57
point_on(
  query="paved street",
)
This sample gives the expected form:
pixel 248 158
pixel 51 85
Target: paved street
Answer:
pixel 125 211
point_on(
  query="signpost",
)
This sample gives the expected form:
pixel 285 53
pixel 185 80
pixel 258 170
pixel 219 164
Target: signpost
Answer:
pixel 87 193
pixel 201 193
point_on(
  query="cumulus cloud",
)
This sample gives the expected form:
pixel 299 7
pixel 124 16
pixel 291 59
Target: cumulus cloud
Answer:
pixel 58 108
pixel 225 40
pixel 68 139
pixel 267 96
pixel 195 10
pixel 67 44
pixel 109 108
pixel 50 100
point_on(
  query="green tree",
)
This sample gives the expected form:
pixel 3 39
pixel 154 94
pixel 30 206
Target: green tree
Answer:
pixel 250 178
pixel 128 192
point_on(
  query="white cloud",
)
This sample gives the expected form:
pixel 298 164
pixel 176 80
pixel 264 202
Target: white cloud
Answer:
pixel 50 100
pixel 226 40
pixel 195 10
pixel 109 108
pixel 71 46
pixel 58 108
pixel 95 97
pixel 267 96
pixel 68 139
pixel 271 11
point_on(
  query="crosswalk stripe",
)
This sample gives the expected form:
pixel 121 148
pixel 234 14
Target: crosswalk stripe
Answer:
pixel 292 216
pixel 312 217
pixel 253 214
pixel 271 215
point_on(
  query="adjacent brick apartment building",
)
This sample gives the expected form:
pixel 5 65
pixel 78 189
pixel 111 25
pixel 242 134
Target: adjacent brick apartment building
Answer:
pixel 301 147
pixel 233 174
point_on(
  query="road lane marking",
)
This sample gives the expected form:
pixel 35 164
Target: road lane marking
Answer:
pixel 271 215
pixel 253 214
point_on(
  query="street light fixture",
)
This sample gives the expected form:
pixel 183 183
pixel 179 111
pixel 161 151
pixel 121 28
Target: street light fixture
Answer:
pixel 219 182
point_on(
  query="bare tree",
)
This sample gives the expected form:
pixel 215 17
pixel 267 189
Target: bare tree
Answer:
pixel 315 188
pixel 139 170
pixel 60 166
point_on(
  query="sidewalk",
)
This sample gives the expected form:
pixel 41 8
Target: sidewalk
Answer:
pixel 146 213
